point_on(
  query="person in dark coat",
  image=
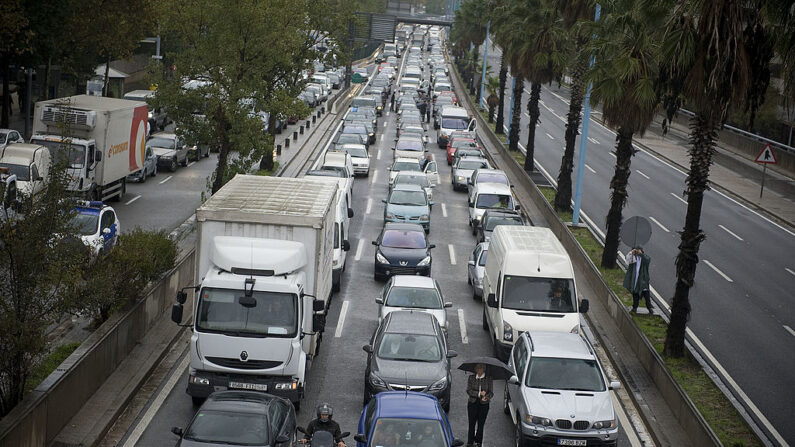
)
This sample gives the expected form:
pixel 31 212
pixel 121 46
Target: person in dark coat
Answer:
pixel 480 390
pixel 636 280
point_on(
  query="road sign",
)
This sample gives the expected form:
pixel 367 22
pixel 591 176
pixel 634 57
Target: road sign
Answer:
pixel 766 156
pixel 635 231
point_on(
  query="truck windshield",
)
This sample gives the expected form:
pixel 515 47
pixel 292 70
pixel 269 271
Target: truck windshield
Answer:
pixel 272 315
pixel 494 201
pixel 21 171
pixel 74 154
pixel 538 294
pixel 454 123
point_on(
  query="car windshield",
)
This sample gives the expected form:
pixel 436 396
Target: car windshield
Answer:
pixel 464 143
pixel 494 201
pixel 85 224
pixel 492 177
pixel 410 347
pixel 363 102
pixel 21 171
pixel 471 164
pixel 74 154
pixel 403 239
pixel 408 145
pixel 564 374
pixel 410 198
pixel 341 169
pixel 538 294
pixel 389 432
pixel 406 166
pixel 420 180
pixel 482 261
pixel 349 138
pixel 358 129
pixel 225 427
pixel 264 314
pixel 160 142
pixel 358 152
pixel 492 222
pixel 417 297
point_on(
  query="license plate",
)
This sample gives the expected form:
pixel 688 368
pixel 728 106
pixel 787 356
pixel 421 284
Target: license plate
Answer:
pixel 577 442
pixel 263 387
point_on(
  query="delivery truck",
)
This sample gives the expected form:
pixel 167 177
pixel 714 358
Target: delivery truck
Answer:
pixel 263 277
pixel 102 140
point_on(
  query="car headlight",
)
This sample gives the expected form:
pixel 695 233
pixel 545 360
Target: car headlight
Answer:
pixel 537 420
pixel 598 425
pixel 380 258
pixel 507 331
pixel 377 381
pixel 460 178
pixel 425 261
pixel 438 385
pixel 425 217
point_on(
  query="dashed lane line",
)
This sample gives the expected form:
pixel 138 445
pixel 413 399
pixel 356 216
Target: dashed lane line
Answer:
pixel 341 321
pixel 792 272
pixel 659 224
pixel 133 199
pixel 550 136
pixel 730 232
pixel 166 179
pixel 590 168
pixel 444 210
pixel 641 173
pixel 369 205
pixel 593 140
pixel 717 270
pixel 452 253
pixel 359 250
pixel 374 178
pixel 462 327
pixel 679 198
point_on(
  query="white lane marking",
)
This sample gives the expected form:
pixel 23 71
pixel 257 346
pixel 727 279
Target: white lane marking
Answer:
pixel 612 154
pixel 378 154
pixel 641 173
pixel 789 329
pixel 593 140
pixel 135 435
pixel 624 420
pixel 444 210
pixel 725 276
pixel 659 224
pixel 462 326
pixel 369 205
pixel 790 270
pixel 359 250
pixel 166 179
pixel 384 123
pixel 133 199
pixel 754 212
pixel 550 136
pixel 730 232
pixel 341 321
pixel 452 253
pixel 553 112
pixel 679 198
pixel 387 113
pixel 374 177
pixel 381 138
pixel 190 164
pixel 590 168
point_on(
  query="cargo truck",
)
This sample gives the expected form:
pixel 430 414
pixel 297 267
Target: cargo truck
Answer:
pixel 263 277
pixel 102 140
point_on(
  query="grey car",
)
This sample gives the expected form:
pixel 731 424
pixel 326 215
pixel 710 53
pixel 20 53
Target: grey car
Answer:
pixel 463 169
pixel 149 169
pixel 170 150
pixel 475 268
pixel 412 292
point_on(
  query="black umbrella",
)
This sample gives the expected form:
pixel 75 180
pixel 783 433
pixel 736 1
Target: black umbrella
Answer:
pixel 495 369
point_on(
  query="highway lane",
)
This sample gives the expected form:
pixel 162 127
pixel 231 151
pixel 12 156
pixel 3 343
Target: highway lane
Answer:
pixel 742 299
pixel 337 374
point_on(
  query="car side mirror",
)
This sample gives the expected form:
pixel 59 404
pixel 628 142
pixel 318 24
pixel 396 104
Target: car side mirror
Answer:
pixel 177 431
pixel 492 300
pixel 375 242
pixel 350 213
pixel 584 306
pixel 432 246
pixel 513 380
pixel 106 231
pixel 38 179
pixel 360 438
pixel 368 349
pixel 282 439
pixel 451 354
pixel 448 304
pixel 176 313
pixel 615 385
pixel 471 262
pixel 457 443
pixel 383 200
pixel 516 207
pixel 379 300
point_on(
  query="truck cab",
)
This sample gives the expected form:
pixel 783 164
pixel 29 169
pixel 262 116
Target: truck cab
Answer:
pixel 30 163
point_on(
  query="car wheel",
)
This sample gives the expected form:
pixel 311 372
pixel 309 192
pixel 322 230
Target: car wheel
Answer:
pixel 506 398
pixel 197 401
pixel 154 171
pixel 485 322
pixel 366 397
pixel 474 230
pixel 173 166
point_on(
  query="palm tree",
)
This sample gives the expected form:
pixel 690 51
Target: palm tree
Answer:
pixel 717 52
pixel 470 29
pixel 492 85
pixel 624 76
pixel 513 135
pixel 505 22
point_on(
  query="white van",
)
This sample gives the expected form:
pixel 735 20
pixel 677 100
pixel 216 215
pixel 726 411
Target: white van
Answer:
pixel 453 118
pixel 342 222
pixel 323 80
pixel 529 286
pixel 30 163
pixel 489 196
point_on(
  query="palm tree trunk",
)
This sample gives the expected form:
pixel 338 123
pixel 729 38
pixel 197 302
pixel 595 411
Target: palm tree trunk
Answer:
pixel 513 136
pixel 501 106
pixel 491 114
pixel 702 141
pixel 563 196
pixel 532 110
pixel 618 198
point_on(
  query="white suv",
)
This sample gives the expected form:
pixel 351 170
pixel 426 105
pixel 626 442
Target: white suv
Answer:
pixel 559 394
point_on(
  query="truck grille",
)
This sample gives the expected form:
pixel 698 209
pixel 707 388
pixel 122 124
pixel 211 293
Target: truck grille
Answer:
pixel 239 364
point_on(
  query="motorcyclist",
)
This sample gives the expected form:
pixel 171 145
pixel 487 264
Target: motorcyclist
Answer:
pixel 324 423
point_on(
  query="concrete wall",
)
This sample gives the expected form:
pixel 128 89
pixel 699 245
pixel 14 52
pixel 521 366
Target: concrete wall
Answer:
pixel 45 411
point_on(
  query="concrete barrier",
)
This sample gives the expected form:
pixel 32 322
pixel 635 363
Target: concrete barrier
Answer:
pixel 691 420
pixel 37 420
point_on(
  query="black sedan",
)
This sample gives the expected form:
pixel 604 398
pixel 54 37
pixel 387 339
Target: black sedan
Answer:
pixel 402 249
pixel 408 351
pixel 240 418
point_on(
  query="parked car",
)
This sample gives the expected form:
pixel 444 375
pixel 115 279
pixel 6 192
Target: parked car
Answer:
pixel 407 414
pixel 148 170
pixel 475 267
pixel 554 373
pixel 97 226
pixel 240 417
pixel 158 119
pixel 169 149
pixel 402 249
pixel 411 292
pixel 408 351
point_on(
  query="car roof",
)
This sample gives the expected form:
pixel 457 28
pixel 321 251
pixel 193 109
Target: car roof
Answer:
pixel 407 405
pixel 171 135
pixel 410 322
pixel 424 282
pixel 501 213
pixel 490 171
pixel 560 345
pixel 407 187
pixel 402 226
pixel 406 159
pixel 239 401
pixel 492 188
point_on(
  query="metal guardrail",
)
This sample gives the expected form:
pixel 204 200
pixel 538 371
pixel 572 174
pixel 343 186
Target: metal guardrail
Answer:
pixel 745 133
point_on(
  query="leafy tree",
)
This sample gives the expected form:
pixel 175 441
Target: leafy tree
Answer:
pixel 716 52
pixel 15 41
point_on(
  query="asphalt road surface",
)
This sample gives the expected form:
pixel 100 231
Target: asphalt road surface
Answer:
pixel 742 300
pixel 337 374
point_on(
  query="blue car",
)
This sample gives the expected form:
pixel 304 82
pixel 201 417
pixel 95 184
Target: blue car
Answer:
pixel 394 418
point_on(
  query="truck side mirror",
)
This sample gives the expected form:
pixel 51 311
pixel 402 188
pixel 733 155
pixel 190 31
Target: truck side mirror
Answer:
pixel 176 313
pixel 318 323
pixel 97 156
pixel 346 245
pixel 584 306
pixel 318 305
pixel 492 300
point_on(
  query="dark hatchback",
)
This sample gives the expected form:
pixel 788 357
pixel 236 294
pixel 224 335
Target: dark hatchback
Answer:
pixel 408 352
pixel 402 249
pixel 240 418
pixel 492 218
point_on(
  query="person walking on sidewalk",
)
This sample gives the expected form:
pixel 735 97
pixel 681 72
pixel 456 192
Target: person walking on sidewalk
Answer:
pixel 636 280
pixel 392 101
pixel 480 391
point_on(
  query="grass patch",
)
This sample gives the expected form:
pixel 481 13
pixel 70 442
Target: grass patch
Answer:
pixel 719 413
pixel 48 364
pixel 267 172
pixel 519 157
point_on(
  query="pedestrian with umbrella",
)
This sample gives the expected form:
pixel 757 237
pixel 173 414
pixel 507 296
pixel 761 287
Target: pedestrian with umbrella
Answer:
pixel 480 390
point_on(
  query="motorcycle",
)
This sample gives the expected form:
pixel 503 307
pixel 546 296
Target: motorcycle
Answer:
pixel 321 438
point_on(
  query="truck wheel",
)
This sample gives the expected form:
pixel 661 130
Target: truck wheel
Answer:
pixel 335 287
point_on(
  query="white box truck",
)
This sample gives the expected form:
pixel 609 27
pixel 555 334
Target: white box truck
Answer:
pixel 263 277
pixel 102 140
pixel 529 286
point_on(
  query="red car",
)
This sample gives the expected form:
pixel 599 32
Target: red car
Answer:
pixel 455 143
